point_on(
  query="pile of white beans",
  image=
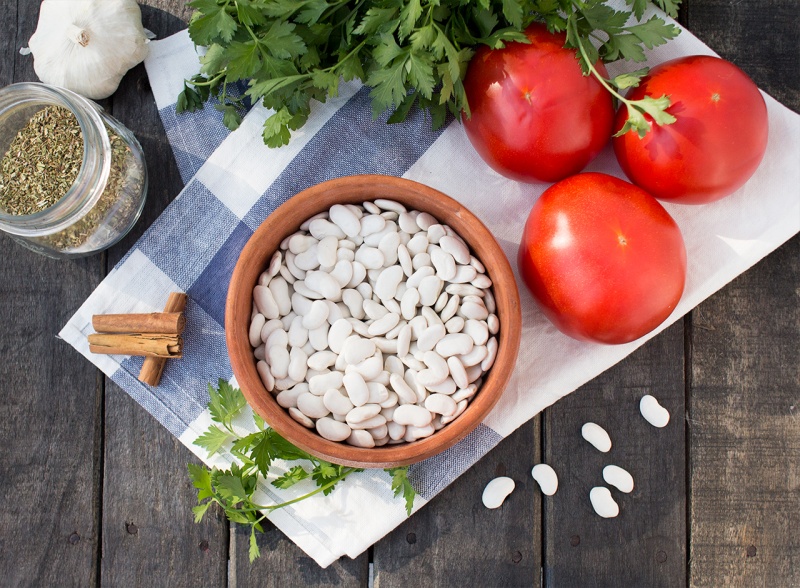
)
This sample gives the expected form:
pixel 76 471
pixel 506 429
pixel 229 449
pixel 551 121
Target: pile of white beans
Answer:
pixel 373 324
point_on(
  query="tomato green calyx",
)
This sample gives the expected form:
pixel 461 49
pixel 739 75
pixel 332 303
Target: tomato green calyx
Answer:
pixel 655 107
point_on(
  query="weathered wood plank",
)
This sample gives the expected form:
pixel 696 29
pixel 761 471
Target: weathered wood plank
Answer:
pixel 745 429
pixel 148 527
pixel 456 541
pixel 646 544
pixel 758 36
pixel 283 564
pixel 149 536
pixel 51 401
pixel 745 349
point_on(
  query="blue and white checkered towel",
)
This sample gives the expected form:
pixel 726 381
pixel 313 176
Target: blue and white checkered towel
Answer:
pixel 233 182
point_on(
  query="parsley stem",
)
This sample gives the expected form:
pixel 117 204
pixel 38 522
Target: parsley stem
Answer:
pixel 591 67
pixel 210 82
pixel 259 507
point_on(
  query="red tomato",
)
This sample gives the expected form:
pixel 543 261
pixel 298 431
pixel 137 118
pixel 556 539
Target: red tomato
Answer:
pixel 602 258
pixel 715 145
pixel 535 116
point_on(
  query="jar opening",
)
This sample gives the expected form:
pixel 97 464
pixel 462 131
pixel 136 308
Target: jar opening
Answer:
pixel 22 103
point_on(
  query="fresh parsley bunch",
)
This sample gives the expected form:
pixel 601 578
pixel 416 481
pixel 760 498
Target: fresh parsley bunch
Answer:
pixel 408 51
pixel 234 489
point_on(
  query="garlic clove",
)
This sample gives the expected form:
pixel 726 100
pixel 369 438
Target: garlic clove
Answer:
pixel 88 45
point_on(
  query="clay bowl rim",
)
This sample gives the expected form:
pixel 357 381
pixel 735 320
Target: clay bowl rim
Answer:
pixel 286 220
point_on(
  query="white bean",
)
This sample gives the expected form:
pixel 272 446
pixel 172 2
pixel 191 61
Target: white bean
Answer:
pixel 288 398
pixel 256 324
pixel 415 433
pixel 345 219
pixel 430 337
pixel 457 372
pixel 456 248
pixel 546 477
pixel 266 375
pixel 362 413
pixel 336 402
pixel 369 257
pixel 312 405
pixel 332 430
pixel 441 404
pixel 298 364
pixel 454 325
pixel 387 282
pixel 317 314
pixel 342 272
pixel 443 262
pixel 597 436
pixel 298 334
pixel 295 413
pixel 491 354
pixel 265 302
pixel 412 414
pixel 456 344
pixel 602 502
pixel 320 384
pixel 308 259
pixel 653 412
pixel 404 259
pixel 360 438
pixel 496 491
pixel 356 387
pixel 338 334
pixel 389 245
pixel 429 289
pixel 619 478
pixel 325 284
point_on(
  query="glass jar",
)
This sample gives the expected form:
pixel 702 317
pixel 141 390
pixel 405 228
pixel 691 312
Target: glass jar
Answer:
pixel 107 196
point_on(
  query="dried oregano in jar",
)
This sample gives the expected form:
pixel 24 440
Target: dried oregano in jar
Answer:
pixel 72 178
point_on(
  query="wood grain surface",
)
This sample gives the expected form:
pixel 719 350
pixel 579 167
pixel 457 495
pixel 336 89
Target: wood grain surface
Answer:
pixel 95 491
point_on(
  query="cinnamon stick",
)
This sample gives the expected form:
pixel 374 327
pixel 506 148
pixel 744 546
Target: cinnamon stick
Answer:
pixel 169 323
pixel 152 367
pixel 147 344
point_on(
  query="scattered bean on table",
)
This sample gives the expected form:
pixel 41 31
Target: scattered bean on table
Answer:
pixel 497 491
pixel 653 412
pixel 546 477
pixel 597 436
pixel 619 478
pixel 603 503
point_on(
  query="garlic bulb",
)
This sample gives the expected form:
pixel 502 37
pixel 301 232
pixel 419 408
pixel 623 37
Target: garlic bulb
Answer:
pixel 87 45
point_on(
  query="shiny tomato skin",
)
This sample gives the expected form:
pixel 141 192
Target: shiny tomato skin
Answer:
pixel 534 115
pixel 717 141
pixel 602 258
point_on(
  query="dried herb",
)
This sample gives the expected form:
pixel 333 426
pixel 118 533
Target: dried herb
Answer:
pixel 113 211
pixel 42 162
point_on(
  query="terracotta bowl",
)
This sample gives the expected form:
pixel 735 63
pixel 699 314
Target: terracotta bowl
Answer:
pixel 287 220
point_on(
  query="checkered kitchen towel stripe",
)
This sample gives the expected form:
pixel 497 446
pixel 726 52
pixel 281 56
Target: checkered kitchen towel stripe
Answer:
pixel 234 182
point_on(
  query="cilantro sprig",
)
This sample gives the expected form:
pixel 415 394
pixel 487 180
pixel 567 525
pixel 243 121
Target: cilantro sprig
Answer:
pixel 409 52
pixel 234 489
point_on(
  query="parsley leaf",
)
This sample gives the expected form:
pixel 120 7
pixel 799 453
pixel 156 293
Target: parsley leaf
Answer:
pixel 212 440
pixel 291 477
pixel 226 402
pixel 401 485
pixel 409 52
pixel 234 489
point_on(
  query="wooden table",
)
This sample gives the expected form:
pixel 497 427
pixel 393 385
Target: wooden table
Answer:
pixel 95 492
